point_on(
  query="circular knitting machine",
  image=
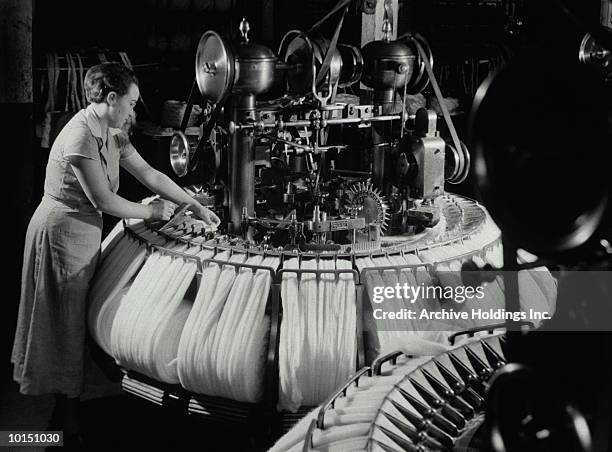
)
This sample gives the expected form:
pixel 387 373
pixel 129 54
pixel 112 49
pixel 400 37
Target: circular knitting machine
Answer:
pixel 263 319
pixel 203 322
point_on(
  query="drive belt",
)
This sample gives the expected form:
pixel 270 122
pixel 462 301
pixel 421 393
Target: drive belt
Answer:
pixel 331 50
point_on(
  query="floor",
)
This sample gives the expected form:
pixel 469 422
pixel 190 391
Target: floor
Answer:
pixel 114 420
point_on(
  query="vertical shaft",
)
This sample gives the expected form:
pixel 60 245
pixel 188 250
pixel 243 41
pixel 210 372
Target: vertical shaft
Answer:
pixel 242 172
pixel 380 136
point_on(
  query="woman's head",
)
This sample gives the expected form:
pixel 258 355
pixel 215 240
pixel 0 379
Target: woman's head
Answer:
pixel 115 85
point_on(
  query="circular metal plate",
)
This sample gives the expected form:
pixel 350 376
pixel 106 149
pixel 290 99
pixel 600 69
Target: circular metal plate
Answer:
pixel 179 154
pixel 451 162
pixel 352 65
pixel 459 163
pixel 300 53
pixel 214 67
pixel 593 53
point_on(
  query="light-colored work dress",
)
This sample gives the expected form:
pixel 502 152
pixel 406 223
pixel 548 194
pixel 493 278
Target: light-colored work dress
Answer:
pixel 61 251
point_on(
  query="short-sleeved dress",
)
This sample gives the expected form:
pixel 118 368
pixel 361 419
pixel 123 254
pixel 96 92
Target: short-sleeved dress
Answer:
pixel 61 251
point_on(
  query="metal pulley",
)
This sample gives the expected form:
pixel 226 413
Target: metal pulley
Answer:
pixel 595 54
pixel 304 57
pixel 298 51
pixel 457 163
pixel 540 140
pixel 184 156
pixel 419 79
pixel 245 68
pixel 352 65
pixel 182 153
pixel 214 67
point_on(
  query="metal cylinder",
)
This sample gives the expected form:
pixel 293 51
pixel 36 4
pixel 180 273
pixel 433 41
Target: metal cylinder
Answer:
pixel 378 159
pixel 242 171
pixel 381 134
pixel 387 64
pixel 384 97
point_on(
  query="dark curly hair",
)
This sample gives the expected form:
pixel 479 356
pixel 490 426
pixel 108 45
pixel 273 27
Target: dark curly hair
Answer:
pixel 106 77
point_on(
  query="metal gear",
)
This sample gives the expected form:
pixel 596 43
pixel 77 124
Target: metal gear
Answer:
pixel 374 206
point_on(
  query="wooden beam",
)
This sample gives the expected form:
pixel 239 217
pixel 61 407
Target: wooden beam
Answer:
pixel 606 13
pixel 16 51
pixel 371 24
pixel 267 21
pixel 371 30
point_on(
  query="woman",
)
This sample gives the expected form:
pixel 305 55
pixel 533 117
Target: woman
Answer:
pixel 63 238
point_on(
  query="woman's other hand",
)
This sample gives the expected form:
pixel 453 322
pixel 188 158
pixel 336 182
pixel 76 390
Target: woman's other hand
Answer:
pixel 209 217
pixel 160 209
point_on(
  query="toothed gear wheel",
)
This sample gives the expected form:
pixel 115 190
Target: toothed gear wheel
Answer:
pixel 374 206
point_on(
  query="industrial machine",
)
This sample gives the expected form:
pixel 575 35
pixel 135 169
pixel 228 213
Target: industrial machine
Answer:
pixel 316 170
pixel 311 182
pixel 323 197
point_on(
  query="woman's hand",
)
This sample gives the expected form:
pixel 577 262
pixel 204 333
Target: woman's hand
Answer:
pixel 160 209
pixel 209 217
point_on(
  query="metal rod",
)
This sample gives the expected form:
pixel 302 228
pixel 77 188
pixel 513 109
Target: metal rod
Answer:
pixel 331 400
pixel 242 171
pixel 234 127
pixel 239 265
pixel 283 66
pixel 350 173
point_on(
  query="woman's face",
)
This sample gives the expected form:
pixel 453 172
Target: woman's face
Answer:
pixel 121 108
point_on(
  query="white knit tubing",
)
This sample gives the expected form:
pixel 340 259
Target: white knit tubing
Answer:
pixel 317 349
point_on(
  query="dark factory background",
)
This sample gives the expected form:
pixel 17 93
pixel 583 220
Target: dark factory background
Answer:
pixel 469 38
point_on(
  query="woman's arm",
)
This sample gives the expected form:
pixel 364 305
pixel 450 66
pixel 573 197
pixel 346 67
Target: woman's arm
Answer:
pixel 95 185
pixel 161 184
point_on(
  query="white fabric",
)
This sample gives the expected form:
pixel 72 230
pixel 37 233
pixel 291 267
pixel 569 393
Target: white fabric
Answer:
pixel 317 348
